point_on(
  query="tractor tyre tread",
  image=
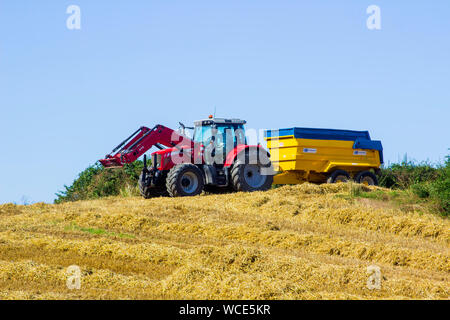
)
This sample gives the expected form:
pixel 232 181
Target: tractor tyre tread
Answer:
pixel 173 176
pixel 148 192
pixel 239 184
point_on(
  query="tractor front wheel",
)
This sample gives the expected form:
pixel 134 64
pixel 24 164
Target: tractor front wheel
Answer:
pixel 184 180
pixel 147 189
pixel 249 178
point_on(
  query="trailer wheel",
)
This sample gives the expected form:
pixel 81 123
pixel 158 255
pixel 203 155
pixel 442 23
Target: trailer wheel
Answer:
pixel 184 180
pixel 248 178
pixel 338 176
pixel 367 178
pixel 147 190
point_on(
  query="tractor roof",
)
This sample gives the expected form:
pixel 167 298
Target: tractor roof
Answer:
pixel 208 122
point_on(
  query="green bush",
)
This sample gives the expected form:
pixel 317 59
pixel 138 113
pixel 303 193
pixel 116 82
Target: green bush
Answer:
pixel 96 182
pixel 423 180
pixel 422 190
pixel 440 189
pixel 406 174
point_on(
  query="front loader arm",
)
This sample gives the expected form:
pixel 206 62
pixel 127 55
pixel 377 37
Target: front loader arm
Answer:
pixel 141 141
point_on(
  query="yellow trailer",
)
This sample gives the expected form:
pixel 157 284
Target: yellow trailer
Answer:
pixel 324 155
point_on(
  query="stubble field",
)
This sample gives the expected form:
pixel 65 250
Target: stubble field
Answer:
pixel 294 242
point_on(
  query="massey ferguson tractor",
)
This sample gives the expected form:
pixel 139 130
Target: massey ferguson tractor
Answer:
pixel 216 159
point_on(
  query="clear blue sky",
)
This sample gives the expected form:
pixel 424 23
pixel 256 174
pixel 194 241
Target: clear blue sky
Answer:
pixel 68 96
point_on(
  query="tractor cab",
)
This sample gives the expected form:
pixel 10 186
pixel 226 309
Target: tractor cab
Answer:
pixel 219 136
pixel 220 131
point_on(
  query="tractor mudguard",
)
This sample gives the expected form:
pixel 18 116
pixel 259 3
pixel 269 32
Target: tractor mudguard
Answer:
pixel 246 154
pixel 238 154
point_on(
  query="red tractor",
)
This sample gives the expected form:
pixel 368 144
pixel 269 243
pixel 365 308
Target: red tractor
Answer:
pixel 217 159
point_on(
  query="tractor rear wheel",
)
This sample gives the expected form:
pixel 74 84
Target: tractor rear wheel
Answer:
pixel 248 178
pixel 338 176
pixel 367 178
pixel 146 188
pixel 184 180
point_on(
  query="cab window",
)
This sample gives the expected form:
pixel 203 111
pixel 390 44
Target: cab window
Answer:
pixel 203 134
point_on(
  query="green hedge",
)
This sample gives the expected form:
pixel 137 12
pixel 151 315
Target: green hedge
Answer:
pixel 423 179
pixel 96 182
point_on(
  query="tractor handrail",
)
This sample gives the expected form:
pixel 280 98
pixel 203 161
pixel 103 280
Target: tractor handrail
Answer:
pixel 125 141
pixel 140 139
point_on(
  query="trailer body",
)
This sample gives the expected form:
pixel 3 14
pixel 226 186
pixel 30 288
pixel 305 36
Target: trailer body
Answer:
pixel 310 154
